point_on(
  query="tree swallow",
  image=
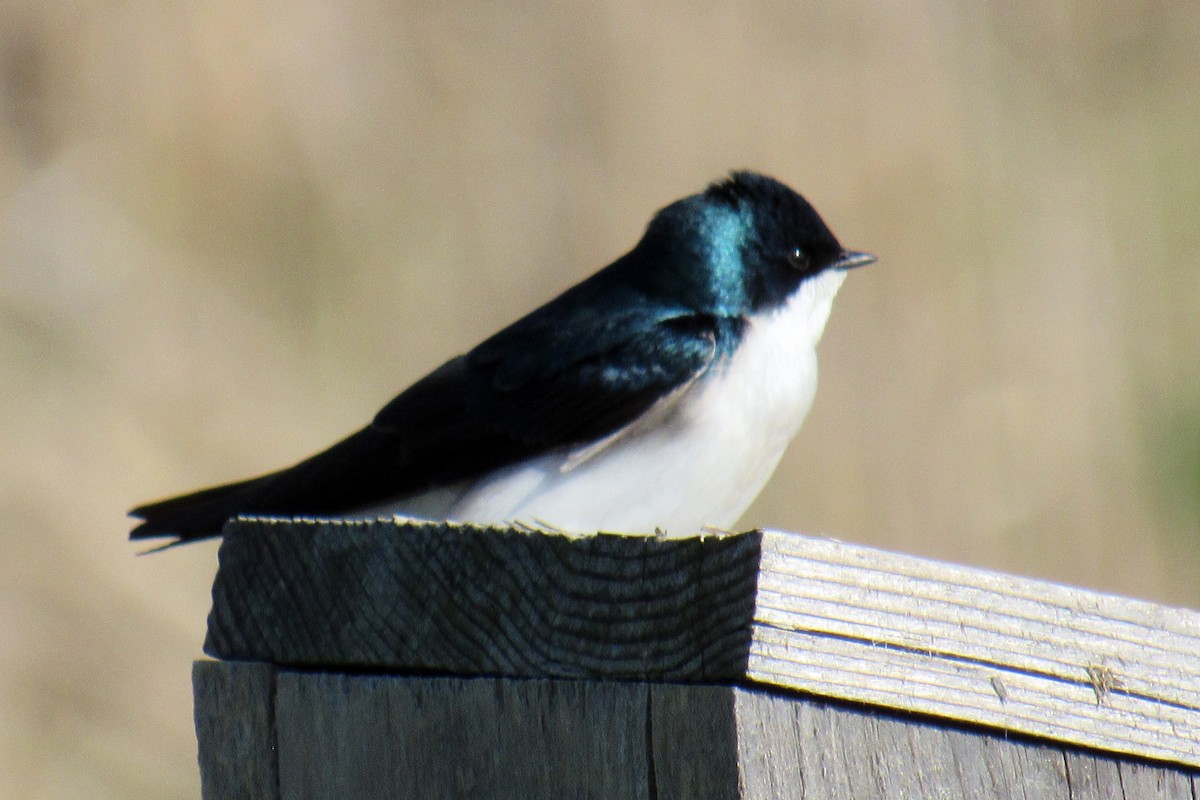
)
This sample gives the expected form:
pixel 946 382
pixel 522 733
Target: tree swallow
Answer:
pixel 657 395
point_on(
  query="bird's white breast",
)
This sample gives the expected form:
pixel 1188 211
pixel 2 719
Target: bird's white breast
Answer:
pixel 700 462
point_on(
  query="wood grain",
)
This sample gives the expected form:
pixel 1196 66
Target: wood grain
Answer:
pixel 383 736
pixel 235 729
pixel 796 612
pixel 797 748
pixel 470 600
pixel 861 624
pixel 378 737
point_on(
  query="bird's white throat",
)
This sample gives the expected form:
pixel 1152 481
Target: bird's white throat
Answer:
pixel 696 460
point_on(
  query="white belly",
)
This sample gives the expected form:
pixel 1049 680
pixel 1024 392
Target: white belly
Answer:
pixel 701 464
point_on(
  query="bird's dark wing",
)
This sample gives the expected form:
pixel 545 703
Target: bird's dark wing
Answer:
pixel 548 385
pixel 546 382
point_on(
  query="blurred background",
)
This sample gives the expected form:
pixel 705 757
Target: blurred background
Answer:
pixel 230 231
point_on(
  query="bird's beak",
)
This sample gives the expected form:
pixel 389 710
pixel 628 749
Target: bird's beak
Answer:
pixel 849 259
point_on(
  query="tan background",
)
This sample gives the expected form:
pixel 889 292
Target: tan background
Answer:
pixel 230 231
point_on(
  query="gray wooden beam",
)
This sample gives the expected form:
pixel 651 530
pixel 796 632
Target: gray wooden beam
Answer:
pixel 471 600
pixel 769 608
pixel 235 730
pixel 385 736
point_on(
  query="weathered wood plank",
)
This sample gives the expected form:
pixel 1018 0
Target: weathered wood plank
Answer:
pixel 1148 781
pixel 1093 777
pixel 692 732
pixel 861 624
pixel 387 736
pixel 235 729
pixel 923 605
pixel 470 600
pixel 381 737
pixel 377 736
pixel 798 612
pixel 793 748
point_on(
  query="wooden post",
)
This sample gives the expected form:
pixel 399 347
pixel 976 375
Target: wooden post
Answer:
pixel 406 660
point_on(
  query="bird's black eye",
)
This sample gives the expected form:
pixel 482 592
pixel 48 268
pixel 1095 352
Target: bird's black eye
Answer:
pixel 798 259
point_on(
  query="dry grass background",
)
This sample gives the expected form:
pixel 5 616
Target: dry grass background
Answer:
pixel 229 231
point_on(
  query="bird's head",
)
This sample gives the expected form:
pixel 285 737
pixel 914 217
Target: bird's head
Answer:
pixel 746 244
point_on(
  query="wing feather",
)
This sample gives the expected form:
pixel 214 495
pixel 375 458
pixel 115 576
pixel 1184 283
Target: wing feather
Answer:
pixel 533 387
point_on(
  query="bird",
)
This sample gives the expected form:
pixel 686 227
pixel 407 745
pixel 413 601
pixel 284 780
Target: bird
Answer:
pixel 655 396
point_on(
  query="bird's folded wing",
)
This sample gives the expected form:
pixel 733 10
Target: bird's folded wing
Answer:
pixel 529 389
pixel 532 391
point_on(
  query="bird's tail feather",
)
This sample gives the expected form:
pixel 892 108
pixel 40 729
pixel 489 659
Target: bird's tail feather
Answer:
pixel 200 515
